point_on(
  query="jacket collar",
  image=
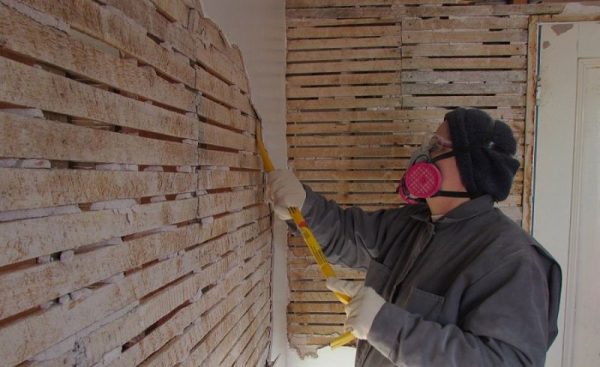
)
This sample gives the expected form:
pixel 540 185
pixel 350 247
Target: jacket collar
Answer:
pixel 469 209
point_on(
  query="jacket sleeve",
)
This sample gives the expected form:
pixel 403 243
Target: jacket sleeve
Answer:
pixel 348 236
pixel 506 324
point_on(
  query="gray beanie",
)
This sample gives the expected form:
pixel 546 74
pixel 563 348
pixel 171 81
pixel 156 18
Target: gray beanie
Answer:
pixel 485 150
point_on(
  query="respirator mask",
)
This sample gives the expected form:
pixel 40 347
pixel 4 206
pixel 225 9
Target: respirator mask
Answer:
pixel 423 179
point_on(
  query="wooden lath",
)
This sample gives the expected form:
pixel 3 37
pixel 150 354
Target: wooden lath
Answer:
pixel 132 213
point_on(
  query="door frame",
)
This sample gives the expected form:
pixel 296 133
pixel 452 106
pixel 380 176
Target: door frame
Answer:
pixel 579 15
pixel 533 55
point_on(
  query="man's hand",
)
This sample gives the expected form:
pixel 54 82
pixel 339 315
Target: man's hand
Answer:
pixel 363 307
pixel 284 191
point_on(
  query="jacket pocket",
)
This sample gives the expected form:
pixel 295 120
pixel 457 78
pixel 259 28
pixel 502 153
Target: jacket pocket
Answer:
pixel 377 276
pixel 423 303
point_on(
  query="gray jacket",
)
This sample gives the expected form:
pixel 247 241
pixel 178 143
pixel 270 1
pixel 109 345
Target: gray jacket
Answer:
pixel 472 289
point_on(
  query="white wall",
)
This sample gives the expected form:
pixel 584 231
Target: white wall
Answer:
pixel 258 28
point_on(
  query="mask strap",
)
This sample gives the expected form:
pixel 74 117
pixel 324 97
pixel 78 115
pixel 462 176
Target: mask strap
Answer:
pixel 443 156
pixel 454 194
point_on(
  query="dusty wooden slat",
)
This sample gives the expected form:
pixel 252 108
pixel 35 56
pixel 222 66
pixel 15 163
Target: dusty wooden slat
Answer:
pixel 341 140
pixel 114 28
pixel 313 272
pixel 216 112
pixel 501 100
pixel 200 47
pixel 258 324
pixel 300 307
pixel 217 179
pixel 355 54
pixel 344 91
pixel 291 4
pixel 121 330
pixel 176 10
pixel 336 13
pixel 33 87
pixel 443 36
pixel 472 22
pixel 393 126
pixel 373 187
pixel 307 285
pixel 370 115
pixel 464 76
pixel 28 188
pixel 240 337
pixel 348 175
pixel 38 284
pixel 385 41
pixel 337 164
pixel 379 198
pixel 178 349
pixel 248 308
pixel 342 32
pixel 342 102
pixel 218 136
pixel 175 325
pixel 40 42
pixel 315 329
pixel 61 321
pixel 464 88
pixel 211 204
pixel 24 137
pixel 391 151
pixel 315 22
pixel 221 65
pixel 333 66
pixel 147 313
pixel 26 239
pixel 114 334
pixel 513 62
pixel 258 349
pixel 484 10
pixel 212 86
pixel 255 349
pixel 343 79
pixel 463 49
pixel 208 157
pixel 337 319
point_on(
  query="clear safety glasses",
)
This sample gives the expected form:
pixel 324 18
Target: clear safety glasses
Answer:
pixel 435 143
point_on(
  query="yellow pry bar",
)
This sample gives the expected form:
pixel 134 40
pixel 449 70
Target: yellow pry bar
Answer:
pixel 310 240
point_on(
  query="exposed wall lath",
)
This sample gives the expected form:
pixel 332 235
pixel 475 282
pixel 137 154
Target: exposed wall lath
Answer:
pixel 365 81
pixel 132 223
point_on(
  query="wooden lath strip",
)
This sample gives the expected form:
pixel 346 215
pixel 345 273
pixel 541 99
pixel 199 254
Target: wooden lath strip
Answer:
pixel 29 38
pixel 32 87
pixel 111 26
pixel 86 144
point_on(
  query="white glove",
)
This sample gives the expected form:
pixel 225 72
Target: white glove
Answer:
pixel 284 190
pixel 363 307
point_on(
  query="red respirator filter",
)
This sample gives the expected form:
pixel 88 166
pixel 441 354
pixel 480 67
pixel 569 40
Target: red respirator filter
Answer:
pixel 422 180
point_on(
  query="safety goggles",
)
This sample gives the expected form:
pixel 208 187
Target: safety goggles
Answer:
pixel 435 143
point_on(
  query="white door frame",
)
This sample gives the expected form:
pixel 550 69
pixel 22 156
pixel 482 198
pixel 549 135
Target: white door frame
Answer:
pixel 561 131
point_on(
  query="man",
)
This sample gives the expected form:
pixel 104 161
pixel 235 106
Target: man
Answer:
pixel 451 281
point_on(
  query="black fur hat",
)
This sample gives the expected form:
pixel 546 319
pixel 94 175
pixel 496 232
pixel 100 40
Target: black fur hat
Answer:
pixel 485 150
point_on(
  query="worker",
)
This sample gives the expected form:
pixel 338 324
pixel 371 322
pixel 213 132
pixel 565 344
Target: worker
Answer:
pixel 450 280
